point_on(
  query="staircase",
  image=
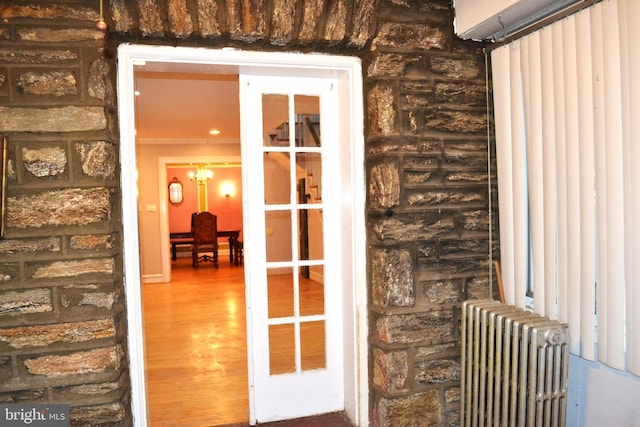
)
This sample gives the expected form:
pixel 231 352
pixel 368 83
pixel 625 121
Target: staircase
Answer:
pixel 307 135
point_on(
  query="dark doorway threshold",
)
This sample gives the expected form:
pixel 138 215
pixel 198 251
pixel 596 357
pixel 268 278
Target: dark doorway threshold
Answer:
pixel 335 419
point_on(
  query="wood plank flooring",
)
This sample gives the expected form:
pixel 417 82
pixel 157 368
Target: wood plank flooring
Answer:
pixel 196 357
pixel 195 338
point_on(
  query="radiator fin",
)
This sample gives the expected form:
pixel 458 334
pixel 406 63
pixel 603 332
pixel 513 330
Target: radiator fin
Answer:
pixel 514 367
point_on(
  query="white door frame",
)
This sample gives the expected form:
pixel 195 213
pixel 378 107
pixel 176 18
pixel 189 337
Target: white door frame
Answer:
pixel 349 73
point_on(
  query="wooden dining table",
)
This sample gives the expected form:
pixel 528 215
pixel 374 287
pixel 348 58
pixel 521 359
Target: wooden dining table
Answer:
pixel 186 238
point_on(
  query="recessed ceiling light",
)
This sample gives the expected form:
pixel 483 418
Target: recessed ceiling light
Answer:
pixel 214 132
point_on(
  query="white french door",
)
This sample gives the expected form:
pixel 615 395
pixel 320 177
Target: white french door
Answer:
pixel 293 271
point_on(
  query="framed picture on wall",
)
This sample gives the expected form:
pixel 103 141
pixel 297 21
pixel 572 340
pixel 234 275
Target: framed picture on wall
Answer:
pixel 4 154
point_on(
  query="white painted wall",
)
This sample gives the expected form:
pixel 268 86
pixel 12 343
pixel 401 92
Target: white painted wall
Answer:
pixel 470 13
pixel 600 396
pixel 486 19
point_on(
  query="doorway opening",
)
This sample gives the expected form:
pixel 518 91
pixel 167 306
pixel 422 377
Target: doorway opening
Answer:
pixel 349 229
pixel 195 328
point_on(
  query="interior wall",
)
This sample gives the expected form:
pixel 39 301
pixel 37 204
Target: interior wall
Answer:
pixel 601 396
pixel 180 215
pixel 470 13
pixel 224 198
pixel 226 180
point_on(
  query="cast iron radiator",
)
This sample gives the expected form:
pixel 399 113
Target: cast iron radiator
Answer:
pixel 514 367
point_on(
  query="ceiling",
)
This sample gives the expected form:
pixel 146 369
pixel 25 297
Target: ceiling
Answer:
pixel 184 101
pixel 186 105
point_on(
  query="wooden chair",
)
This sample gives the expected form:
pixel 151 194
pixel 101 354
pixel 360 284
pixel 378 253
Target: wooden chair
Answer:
pixel 238 256
pixel 204 226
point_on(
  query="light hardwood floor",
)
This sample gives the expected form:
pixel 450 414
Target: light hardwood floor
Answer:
pixel 195 337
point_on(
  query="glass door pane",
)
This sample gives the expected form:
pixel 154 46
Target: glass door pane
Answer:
pixel 292 166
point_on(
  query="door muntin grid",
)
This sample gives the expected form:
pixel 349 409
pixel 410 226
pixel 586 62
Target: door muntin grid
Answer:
pixel 293 223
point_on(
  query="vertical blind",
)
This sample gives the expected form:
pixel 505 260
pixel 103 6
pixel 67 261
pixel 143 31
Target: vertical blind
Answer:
pixel 567 117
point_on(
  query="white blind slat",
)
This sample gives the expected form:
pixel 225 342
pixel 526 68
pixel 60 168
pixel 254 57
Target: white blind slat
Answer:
pixel 548 89
pixel 600 150
pixel 569 202
pixel 532 85
pixel 587 301
pixel 519 175
pixel 502 109
pixel 630 58
pixel 562 169
pixel 614 289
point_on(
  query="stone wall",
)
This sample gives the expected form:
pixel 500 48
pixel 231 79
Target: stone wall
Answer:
pixel 62 326
pixel 61 296
pixel 427 210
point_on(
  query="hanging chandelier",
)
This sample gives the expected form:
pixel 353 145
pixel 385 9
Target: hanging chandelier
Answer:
pixel 201 175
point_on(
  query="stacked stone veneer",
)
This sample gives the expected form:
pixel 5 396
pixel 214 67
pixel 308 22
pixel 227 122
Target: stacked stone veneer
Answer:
pixel 427 211
pixel 62 319
pixel 62 323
